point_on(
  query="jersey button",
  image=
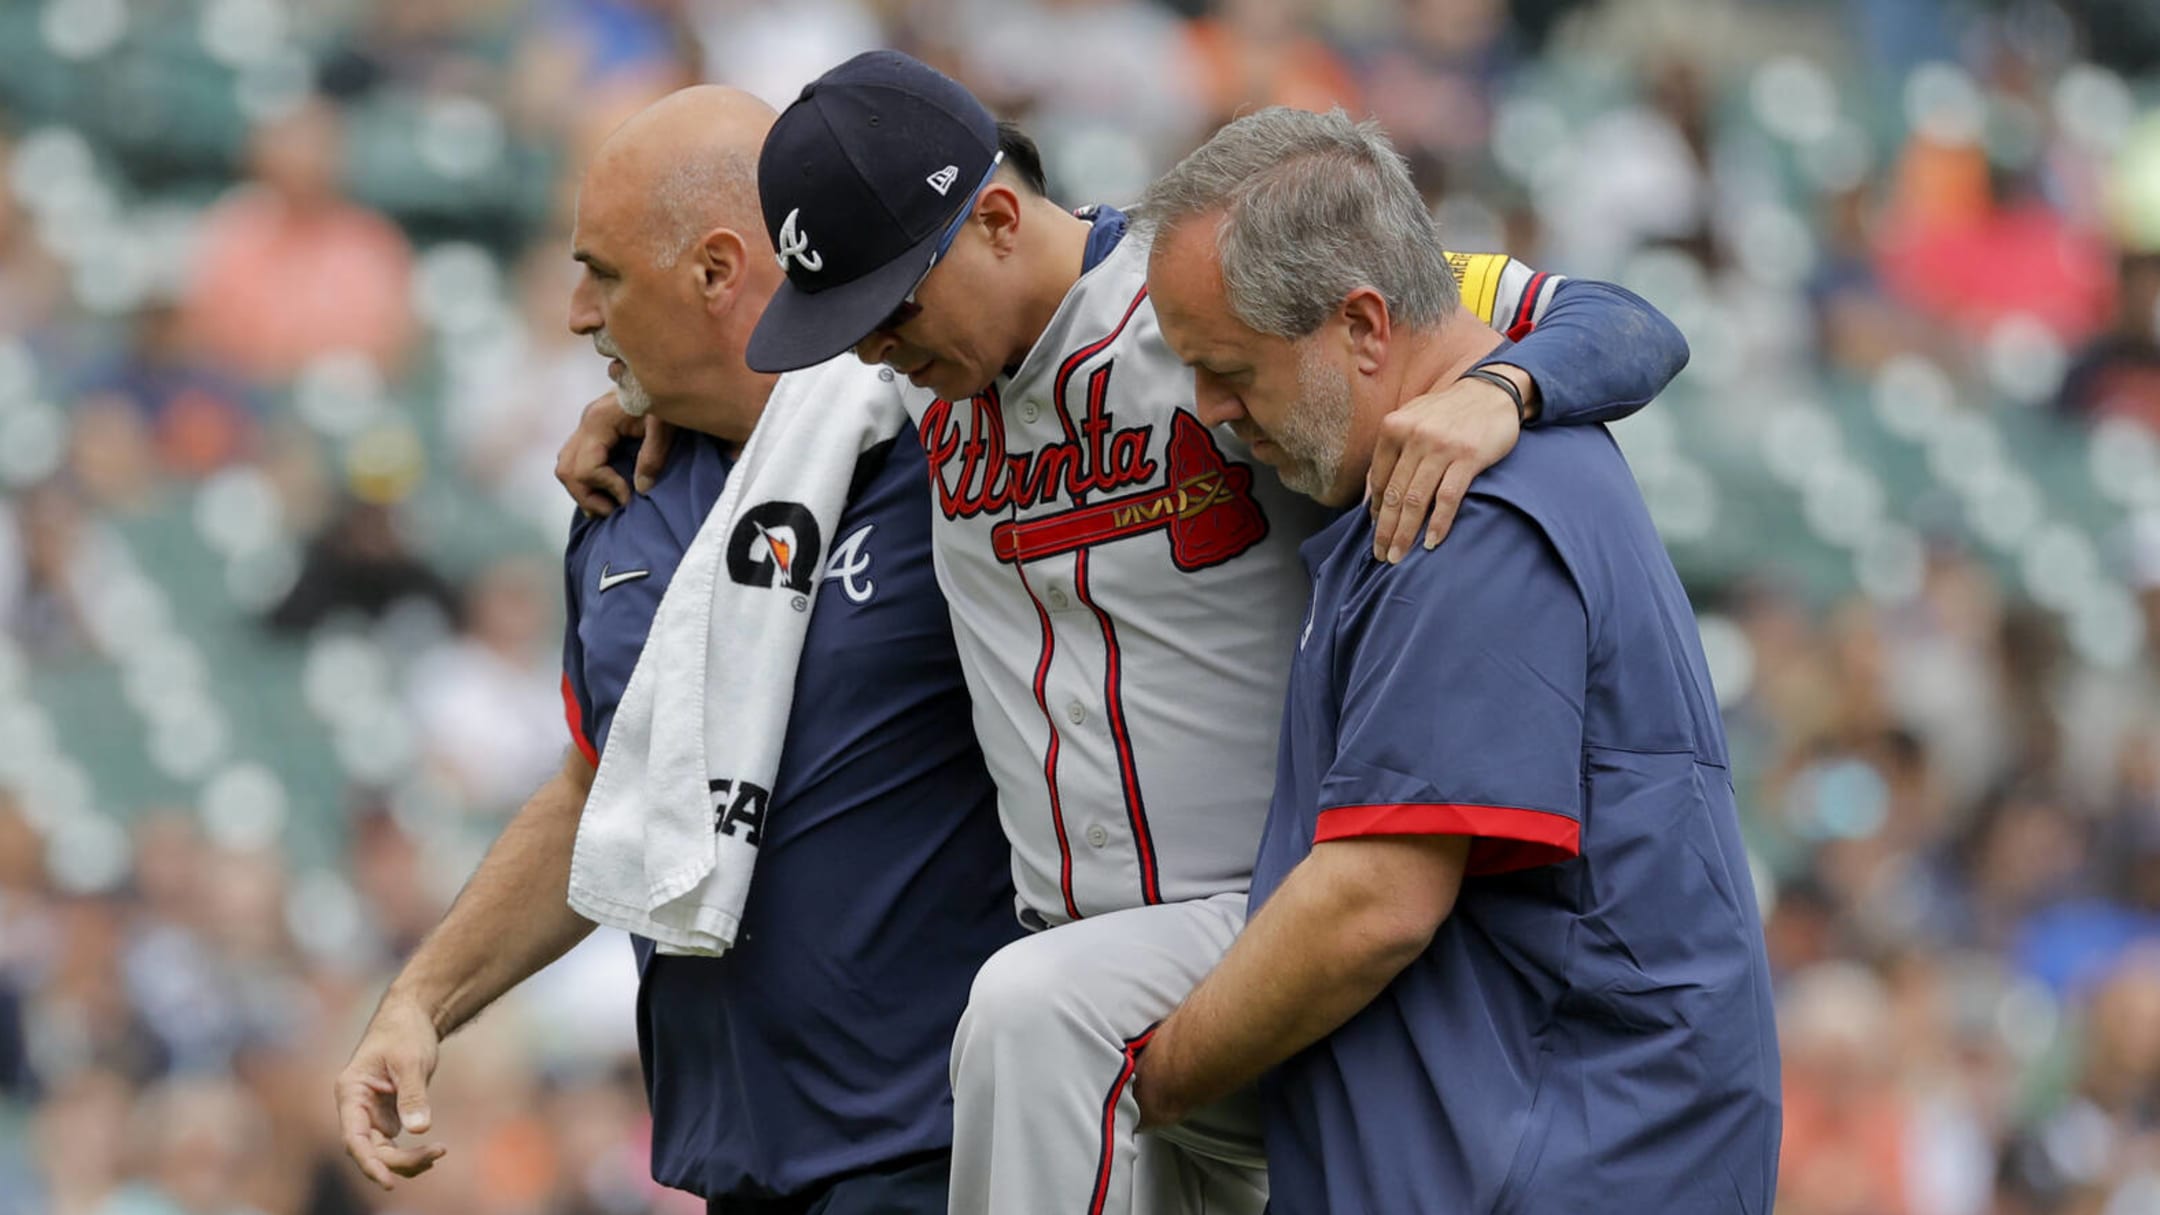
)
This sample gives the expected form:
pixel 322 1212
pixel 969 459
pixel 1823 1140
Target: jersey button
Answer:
pixel 1076 712
pixel 1029 411
pixel 1096 836
pixel 1059 600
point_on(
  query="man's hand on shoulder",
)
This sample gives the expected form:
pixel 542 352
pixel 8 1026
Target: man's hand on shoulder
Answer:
pixel 582 464
pixel 383 1092
pixel 1429 452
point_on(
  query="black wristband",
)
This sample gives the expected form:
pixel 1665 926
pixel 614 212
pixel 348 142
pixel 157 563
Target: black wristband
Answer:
pixel 1506 385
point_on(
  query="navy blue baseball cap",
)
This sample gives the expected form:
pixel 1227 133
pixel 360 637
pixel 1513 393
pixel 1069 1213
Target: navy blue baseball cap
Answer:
pixel 865 181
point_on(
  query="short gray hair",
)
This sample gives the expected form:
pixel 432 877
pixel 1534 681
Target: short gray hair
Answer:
pixel 1316 207
pixel 700 194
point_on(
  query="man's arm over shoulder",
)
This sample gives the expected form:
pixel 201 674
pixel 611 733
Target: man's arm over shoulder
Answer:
pixel 1596 354
pixel 1585 352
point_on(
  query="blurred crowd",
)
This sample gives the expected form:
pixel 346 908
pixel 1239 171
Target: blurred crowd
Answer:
pixel 283 366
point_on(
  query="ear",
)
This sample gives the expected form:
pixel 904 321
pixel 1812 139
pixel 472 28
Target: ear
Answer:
pixel 720 259
pixel 999 214
pixel 1368 328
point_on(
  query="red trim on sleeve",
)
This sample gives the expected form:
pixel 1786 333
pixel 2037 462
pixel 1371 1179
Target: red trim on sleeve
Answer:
pixel 576 717
pixel 1507 837
pixel 1526 310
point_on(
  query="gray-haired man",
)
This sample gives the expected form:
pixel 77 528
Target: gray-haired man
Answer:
pixel 1503 952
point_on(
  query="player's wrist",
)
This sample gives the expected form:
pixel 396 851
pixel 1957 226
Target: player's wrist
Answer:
pixel 1515 383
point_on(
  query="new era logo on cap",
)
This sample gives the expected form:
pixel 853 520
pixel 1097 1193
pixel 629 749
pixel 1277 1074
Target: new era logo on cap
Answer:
pixel 841 183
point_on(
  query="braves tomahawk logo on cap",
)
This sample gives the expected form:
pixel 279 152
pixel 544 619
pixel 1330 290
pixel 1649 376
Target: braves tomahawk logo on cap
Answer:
pixel 859 179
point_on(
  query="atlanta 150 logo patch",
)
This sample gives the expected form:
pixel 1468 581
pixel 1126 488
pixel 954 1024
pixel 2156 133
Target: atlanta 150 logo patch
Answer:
pixel 776 544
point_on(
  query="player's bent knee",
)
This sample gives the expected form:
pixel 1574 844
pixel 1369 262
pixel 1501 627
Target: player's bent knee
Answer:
pixel 1027 993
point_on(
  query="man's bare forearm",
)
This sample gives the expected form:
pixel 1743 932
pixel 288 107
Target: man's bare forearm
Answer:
pixel 512 918
pixel 1331 939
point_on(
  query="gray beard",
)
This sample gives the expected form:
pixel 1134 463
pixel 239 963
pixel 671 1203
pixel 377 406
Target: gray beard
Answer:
pixel 630 396
pixel 1316 434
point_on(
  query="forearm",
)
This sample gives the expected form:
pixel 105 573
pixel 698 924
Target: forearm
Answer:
pixel 1328 941
pixel 512 918
pixel 1599 354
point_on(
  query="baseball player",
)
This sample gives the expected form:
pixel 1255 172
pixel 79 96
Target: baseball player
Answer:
pixel 1124 584
pixel 1504 944
pixel 803 1072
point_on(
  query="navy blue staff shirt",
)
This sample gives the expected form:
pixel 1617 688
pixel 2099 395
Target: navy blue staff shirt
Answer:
pixel 1591 1027
pixel 818 1045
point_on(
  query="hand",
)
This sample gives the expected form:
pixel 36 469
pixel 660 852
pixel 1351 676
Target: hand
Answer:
pixel 1429 451
pixel 383 1091
pixel 582 464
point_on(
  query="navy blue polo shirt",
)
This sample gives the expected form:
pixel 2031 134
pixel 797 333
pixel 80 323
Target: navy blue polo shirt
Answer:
pixel 818 1045
pixel 1591 1027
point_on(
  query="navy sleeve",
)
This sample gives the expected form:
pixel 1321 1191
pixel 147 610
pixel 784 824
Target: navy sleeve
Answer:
pixel 1598 354
pixel 1463 673
pixel 577 700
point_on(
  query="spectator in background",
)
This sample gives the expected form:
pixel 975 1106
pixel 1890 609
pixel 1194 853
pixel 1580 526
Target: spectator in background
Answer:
pixel 54 530
pixel 22 925
pixel 772 48
pixel 421 46
pixel 196 1137
pixel 361 564
pixel 170 964
pixel 32 284
pixel 1845 1149
pixel 2096 1150
pixel 487 701
pixel 1105 86
pixel 1971 244
pixel 1431 83
pixel 2118 374
pixel 288 269
pixel 503 413
pixel 1858 326
pixel 1641 175
pixel 80 1136
pixel 583 65
pixel 195 417
pixel 1256 53
pixel 390 876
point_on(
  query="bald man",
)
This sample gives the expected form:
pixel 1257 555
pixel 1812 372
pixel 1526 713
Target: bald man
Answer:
pixel 803 1072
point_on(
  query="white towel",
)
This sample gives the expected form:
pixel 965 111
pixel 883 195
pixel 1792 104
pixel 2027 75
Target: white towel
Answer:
pixel 670 831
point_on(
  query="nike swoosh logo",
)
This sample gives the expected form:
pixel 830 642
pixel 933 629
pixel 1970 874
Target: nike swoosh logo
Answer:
pixel 607 579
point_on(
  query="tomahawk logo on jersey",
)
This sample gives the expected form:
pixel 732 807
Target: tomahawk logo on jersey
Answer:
pixel 1122 579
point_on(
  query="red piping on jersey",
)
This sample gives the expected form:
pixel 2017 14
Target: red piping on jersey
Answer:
pixel 1506 837
pixel 1050 753
pixel 1072 361
pixel 1113 688
pixel 1113 667
pixel 996 417
pixel 1526 309
pixel 1133 1047
pixel 575 715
